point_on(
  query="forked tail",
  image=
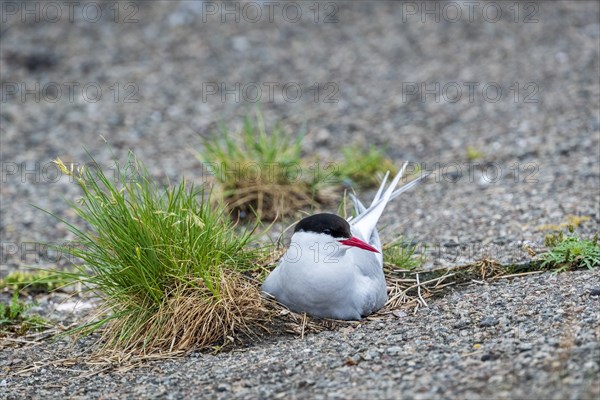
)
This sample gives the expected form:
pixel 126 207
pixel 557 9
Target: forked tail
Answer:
pixel 365 222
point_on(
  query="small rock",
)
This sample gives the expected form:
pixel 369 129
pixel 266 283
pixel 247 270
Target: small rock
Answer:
pixel 463 323
pixel 306 383
pixel 489 357
pixel 379 326
pixel 223 387
pixel 394 350
pixel 73 306
pixel 525 346
pixel 371 355
pixel 595 292
pixel 323 136
pixel 488 321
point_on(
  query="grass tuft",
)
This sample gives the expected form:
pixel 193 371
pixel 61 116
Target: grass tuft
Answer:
pixel 15 319
pixel 259 172
pixel 569 251
pixel 364 167
pixel 401 255
pixel 166 262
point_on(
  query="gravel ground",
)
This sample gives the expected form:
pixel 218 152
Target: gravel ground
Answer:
pixel 531 338
pixel 156 75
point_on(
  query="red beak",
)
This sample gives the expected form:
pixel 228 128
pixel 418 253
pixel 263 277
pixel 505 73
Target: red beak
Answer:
pixel 355 242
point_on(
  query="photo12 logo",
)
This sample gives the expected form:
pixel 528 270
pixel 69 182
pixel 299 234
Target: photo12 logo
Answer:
pixel 53 172
pixel 35 252
pixel 71 92
pixel 269 11
pixel 270 172
pixel 269 92
pixel 469 11
pixel 470 92
pixel 69 11
pixel 475 172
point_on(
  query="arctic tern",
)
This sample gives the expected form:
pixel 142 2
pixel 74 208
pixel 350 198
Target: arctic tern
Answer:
pixel 334 267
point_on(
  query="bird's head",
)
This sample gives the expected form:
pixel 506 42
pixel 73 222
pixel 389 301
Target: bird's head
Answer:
pixel 332 228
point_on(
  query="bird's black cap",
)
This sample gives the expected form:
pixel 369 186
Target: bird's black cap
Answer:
pixel 329 224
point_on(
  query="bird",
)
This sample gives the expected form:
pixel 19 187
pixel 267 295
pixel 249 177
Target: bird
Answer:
pixel 333 267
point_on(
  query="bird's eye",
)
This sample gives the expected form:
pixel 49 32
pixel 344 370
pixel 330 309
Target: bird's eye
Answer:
pixel 327 231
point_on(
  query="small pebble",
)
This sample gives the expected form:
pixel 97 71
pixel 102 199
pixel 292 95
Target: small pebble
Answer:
pixel 595 292
pixel 489 357
pixel 461 324
pixel 394 350
pixel 223 387
pixel 488 321
pixel 525 346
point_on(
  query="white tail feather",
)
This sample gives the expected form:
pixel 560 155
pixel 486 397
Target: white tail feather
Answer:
pixel 364 224
pixel 378 194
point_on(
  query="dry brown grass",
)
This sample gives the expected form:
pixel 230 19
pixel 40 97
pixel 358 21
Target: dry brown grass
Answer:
pixel 268 200
pixel 410 289
pixel 192 318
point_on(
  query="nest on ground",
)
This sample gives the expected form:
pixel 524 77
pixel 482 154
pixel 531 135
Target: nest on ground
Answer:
pixel 242 316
